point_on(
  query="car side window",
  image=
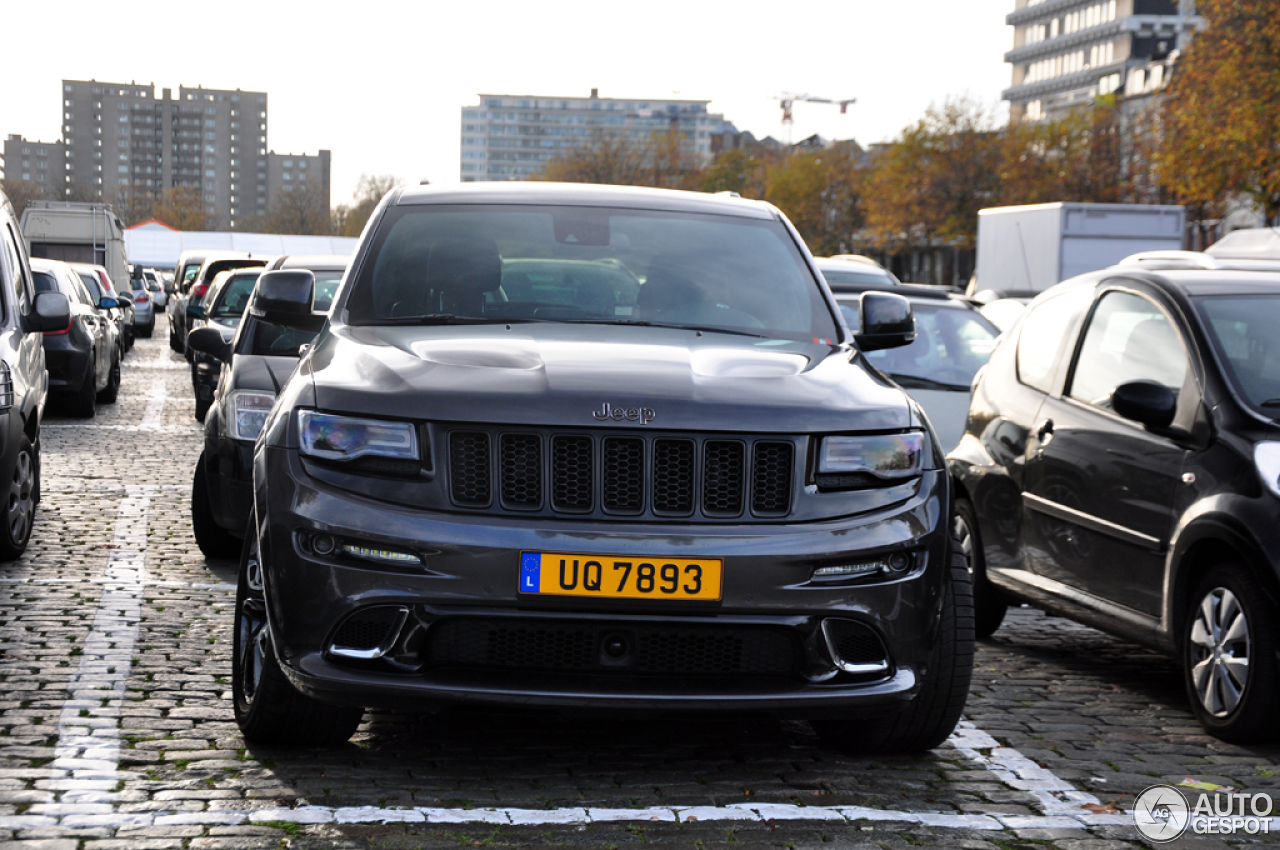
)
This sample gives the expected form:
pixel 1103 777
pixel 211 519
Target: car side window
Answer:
pixel 1128 338
pixel 17 277
pixel 78 287
pixel 1044 330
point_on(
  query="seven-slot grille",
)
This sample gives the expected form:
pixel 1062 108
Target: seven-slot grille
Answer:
pixel 621 475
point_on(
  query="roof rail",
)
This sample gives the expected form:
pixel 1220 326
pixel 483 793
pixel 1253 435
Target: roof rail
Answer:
pixel 1170 260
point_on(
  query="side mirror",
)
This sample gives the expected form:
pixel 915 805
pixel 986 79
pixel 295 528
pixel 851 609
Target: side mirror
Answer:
pixel 123 300
pixel 52 312
pixel 195 311
pixel 107 303
pixel 1147 402
pixel 209 340
pixel 885 321
pixel 286 297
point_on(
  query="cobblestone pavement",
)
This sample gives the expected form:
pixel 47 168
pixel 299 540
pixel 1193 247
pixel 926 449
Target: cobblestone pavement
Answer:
pixel 116 728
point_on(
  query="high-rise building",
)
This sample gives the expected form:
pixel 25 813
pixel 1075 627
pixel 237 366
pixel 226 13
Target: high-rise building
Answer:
pixel 123 144
pixel 512 137
pixel 1069 52
pixel 41 163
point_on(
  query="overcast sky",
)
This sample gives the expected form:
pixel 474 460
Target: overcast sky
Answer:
pixel 381 84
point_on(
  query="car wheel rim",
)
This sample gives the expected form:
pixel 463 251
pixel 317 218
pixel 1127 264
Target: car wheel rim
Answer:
pixel 255 631
pixel 1220 652
pixel 964 537
pixel 21 498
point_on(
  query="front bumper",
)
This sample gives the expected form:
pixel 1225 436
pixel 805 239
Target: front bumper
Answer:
pixel 471 574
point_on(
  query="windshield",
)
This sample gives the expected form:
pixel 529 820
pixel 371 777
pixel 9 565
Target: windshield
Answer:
pixel 277 341
pixel 1246 333
pixel 951 345
pixel 587 264
pixel 233 297
pixel 860 276
pixel 44 281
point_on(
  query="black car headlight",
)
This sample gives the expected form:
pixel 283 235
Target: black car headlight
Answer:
pixel 870 461
pixel 345 438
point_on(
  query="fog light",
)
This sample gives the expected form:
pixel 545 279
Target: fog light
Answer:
pixel 899 561
pixel 385 556
pixel 323 544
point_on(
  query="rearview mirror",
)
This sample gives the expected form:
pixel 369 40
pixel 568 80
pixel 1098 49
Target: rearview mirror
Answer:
pixel 885 321
pixel 286 297
pixel 52 312
pixel 1147 402
pixel 209 340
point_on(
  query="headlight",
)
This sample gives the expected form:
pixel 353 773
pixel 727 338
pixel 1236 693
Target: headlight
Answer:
pixel 249 409
pixel 331 437
pixel 889 457
pixel 1266 456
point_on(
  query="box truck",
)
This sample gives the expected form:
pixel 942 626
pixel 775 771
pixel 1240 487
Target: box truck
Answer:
pixel 78 233
pixel 1027 249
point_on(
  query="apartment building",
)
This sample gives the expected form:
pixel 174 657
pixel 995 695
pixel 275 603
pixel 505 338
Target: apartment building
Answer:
pixel 41 163
pixel 1069 52
pixel 121 140
pixel 511 137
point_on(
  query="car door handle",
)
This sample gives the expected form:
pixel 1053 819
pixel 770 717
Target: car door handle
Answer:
pixel 1044 432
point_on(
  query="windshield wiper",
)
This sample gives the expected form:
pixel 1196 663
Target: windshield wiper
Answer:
pixel 1271 402
pixel 916 382
pixel 643 324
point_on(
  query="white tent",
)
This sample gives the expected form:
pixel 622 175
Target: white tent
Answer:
pixel 159 248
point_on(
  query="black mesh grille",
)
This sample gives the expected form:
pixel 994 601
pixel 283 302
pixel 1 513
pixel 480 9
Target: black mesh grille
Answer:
pixel 366 629
pixel 581 647
pixel 855 643
pixel 723 466
pixel 571 470
pixel 521 459
pixel 771 467
pixel 622 482
pixel 673 476
pixel 469 468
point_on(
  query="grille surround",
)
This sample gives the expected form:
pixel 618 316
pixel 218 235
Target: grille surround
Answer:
pixel 577 646
pixel 621 474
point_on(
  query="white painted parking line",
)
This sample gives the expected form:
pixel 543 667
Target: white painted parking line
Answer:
pixel 1056 796
pixel 85 768
pixel 153 415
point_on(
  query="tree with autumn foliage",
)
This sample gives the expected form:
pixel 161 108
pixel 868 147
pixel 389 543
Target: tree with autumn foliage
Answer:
pixel 821 193
pixel 930 183
pixel 660 159
pixel 1222 109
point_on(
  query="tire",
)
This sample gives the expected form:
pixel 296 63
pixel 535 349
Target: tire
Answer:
pixel 268 709
pixel 932 716
pixel 85 402
pixel 108 394
pixel 989 604
pixel 175 342
pixel 149 329
pixel 1233 701
pixel 202 408
pixel 20 504
pixel 214 540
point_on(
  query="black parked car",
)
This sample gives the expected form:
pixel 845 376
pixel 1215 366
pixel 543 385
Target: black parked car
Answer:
pixel 197 285
pixel 252 368
pixel 677 488
pixel 82 357
pixel 222 307
pixel 23 382
pixel 1121 468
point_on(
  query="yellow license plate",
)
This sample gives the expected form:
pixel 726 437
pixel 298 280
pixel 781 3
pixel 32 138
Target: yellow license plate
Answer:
pixel 619 576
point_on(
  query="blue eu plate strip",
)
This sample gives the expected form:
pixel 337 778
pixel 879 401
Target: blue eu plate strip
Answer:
pixel 530 572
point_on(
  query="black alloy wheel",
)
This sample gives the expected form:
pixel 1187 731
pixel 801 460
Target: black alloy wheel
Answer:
pixel 20 507
pixel 268 708
pixel 989 606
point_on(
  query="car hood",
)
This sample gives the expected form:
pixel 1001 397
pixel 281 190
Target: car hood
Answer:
pixel 579 375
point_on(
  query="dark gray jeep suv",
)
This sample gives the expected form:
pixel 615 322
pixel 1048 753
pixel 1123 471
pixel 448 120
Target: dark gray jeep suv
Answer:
pixel 596 448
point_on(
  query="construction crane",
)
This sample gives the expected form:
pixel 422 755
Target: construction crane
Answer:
pixel 789 99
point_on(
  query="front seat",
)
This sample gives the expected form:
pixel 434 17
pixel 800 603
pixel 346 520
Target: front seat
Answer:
pixel 461 271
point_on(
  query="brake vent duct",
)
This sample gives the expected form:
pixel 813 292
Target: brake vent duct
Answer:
pixel 855 648
pixel 369 633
